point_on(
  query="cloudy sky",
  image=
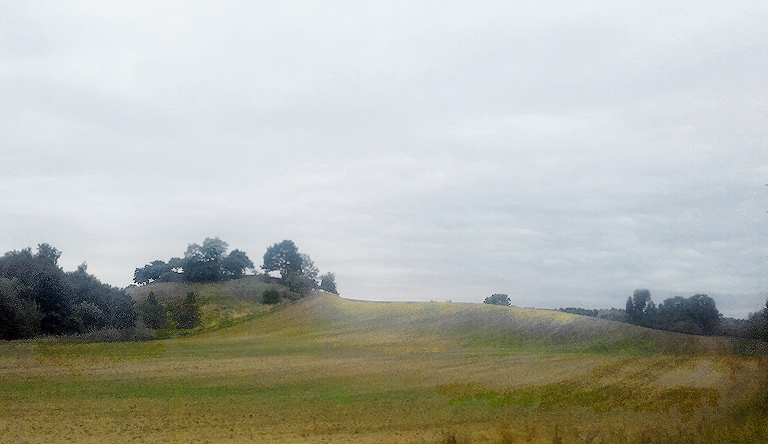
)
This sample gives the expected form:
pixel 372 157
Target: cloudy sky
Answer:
pixel 562 153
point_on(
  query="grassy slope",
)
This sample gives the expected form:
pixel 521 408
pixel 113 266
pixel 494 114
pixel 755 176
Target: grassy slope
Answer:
pixel 332 370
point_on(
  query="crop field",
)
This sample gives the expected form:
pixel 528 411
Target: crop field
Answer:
pixel 330 370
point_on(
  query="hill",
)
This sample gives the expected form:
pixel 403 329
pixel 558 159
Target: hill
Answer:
pixel 327 369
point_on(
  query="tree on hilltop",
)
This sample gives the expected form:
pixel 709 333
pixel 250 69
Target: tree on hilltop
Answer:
pixel 283 258
pixel 498 299
pixel 201 263
pixel 328 283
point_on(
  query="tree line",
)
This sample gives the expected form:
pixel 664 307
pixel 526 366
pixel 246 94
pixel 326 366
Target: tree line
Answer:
pixel 210 262
pixel 697 315
pixel 37 297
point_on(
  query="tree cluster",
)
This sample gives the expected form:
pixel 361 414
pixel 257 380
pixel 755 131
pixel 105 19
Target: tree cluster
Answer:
pixel 297 270
pixel 38 298
pixel 757 324
pixel 208 262
pixel 696 315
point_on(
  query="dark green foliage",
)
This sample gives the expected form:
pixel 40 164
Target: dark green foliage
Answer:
pixel 38 297
pixel 19 316
pixel 640 309
pixel 757 324
pixel 498 299
pixel 99 305
pixel 270 297
pixel 201 263
pixel 186 313
pixel 152 313
pixel 579 311
pixel 236 263
pixel 150 272
pixel 283 258
pixel 696 315
pixel 328 283
pixel 309 270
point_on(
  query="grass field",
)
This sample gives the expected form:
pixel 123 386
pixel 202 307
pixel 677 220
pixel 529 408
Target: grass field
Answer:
pixel 330 370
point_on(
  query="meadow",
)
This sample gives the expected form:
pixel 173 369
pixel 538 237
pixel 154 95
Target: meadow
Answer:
pixel 331 370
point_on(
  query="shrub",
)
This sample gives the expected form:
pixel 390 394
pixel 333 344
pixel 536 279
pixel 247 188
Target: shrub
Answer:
pixel 270 296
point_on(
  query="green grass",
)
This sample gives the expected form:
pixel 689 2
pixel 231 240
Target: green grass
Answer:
pixel 332 370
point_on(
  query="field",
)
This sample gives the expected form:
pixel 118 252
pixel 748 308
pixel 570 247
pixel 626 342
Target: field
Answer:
pixel 330 370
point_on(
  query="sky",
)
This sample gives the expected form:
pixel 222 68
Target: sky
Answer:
pixel 562 153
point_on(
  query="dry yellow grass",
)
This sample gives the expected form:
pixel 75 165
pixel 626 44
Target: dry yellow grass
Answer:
pixel 335 371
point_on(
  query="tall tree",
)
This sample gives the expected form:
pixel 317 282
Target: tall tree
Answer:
pixel 235 264
pixel 328 283
pixel 203 263
pixel 640 308
pixel 308 269
pixel 284 258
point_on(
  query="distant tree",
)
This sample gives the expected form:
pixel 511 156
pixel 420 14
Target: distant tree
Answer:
pixel 308 269
pixel 203 263
pixel 695 315
pixel 328 283
pixel 757 324
pixel 498 299
pixel 152 313
pixel 19 315
pixel 99 305
pixel 187 314
pixel 640 308
pixel 235 264
pixel 579 311
pixel 38 297
pixel 270 297
pixel 154 271
pixel 284 258
pixel 49 253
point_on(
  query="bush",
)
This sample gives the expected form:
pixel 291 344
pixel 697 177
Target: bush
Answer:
pixel 270 297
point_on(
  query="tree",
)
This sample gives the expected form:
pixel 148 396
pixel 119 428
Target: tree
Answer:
pixel 203 263
pixel 235 264
pixel 757 327
pixel 328 283
pixel 498 299
pixel 49 253
pixel 38 297
pixel 640 308
pixel 284 258
pixel 154 271
pixel 308 269
pixel 152 313
pixel 19 315
pixel 187 314
pixel 696 315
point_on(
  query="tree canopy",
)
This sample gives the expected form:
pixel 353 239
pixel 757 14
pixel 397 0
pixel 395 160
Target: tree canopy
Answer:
pixel 498 299
pixel 38 297
pixel 201 263
pixel 283 258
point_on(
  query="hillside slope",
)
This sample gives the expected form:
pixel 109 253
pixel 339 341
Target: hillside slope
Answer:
pixel 505 329
pixel 327 369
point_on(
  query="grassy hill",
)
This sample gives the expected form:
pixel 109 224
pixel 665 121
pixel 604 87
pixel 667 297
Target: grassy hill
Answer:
pixel 327 369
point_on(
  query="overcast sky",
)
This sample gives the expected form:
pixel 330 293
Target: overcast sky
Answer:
pixel 565 155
